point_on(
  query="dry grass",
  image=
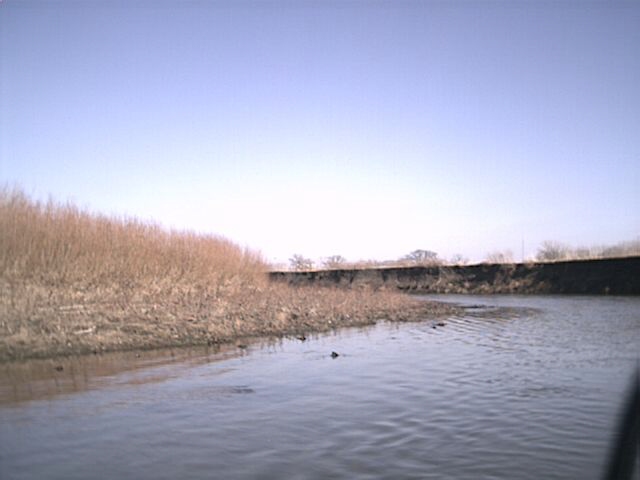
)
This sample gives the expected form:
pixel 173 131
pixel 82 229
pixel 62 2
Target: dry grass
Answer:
pixel 558 252
pixel 60 244
pixel 73 282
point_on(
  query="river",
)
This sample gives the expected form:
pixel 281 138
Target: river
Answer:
pixel 516 387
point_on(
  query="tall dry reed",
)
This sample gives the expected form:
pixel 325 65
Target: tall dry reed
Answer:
pixel 54 243
pixel 76 282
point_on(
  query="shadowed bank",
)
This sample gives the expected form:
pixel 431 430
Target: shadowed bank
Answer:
pixel 611 276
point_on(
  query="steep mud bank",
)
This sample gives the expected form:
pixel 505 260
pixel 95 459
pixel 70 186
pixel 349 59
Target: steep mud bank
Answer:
pixel 616 276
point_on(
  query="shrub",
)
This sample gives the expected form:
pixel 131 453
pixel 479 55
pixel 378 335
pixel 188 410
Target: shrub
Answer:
pixel 300 263
pixel 421 257
pixel 334 261
pixel 504 256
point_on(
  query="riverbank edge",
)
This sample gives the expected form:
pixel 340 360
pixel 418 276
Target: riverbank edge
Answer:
pixel 295 327
pixel 612 276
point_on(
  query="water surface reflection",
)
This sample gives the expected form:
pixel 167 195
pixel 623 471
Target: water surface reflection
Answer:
pixel 514 388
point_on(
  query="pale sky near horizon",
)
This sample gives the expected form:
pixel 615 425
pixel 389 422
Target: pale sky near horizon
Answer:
pixel 362 128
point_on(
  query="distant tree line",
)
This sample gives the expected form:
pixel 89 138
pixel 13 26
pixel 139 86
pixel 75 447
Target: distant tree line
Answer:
pixel 418 257
pixel 548 252
pixel 556 251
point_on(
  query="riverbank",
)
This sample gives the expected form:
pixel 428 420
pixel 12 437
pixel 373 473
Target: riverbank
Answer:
pixel 613 276
pixel 367 408
pixel 75 283
pixel 104 322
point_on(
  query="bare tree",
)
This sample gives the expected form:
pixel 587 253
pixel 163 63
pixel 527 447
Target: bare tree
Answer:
pixel 505 256
pixel 582 253
pixel 300 263
pixel 459 259
pixel 334 261
pixel 553 251
pixel 422 257
pixel 623 249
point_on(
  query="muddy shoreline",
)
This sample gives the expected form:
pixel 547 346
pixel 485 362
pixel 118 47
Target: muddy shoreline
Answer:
pixel 615 276
pixel 238 327
pixel 73 282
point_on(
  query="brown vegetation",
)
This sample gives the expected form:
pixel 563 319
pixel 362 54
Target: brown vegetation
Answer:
pixel 504 256
pixel 73 282
pixel 558 252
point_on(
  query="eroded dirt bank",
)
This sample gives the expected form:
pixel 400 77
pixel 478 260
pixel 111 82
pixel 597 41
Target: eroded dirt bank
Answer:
pixel 617 276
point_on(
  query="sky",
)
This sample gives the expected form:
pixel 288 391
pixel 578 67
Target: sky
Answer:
pixel 366 129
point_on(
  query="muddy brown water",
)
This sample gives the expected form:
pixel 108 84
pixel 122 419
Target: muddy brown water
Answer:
pixel 516 387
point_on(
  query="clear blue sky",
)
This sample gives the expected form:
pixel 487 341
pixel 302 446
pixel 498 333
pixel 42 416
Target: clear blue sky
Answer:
pixel 366 129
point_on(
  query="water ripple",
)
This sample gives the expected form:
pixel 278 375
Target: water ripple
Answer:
pixel 513 388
